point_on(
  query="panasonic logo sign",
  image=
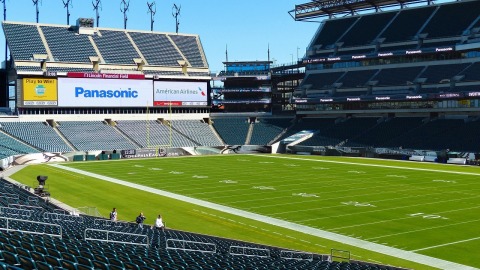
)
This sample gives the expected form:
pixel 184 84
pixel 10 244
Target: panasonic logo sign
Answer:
pixel 87 93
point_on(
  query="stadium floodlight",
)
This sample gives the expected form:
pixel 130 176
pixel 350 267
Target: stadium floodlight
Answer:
pixel 176 13
pixel 67 4
pixel 35 3
pixel 124 6
pixel 152 9
pixel 96 5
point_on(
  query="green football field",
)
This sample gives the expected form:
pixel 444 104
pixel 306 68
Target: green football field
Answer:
pixel 429 209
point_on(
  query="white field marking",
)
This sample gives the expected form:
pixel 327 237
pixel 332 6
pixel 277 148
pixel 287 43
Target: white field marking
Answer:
pixel 335 206
pixel 372 165
pixel 265 162
pixel 396 176
pixel 291 165
pixel 327 192
pixel 424 229
pixel 320 168
pixel 397 198
pixel 176 172
pixel 131 173
pixel 263 188
pixel 241 159
pixel 393 208
pixel 138 166
pixel 447 244
pixel 445 181
pixel 200 176
pixel 228 181
pixel 397 219
pixel 359 172
pixel 305 195
pixel 398 253
pixel 155 169
pixel 358 204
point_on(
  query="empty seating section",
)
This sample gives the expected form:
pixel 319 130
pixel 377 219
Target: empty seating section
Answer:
pixel 152 133
pixel 115 47
pixel 442 73
pixel 265 130
pixel 10 146
pixel 232 130
pixel 359 78
pixel 383 133
pixel 93 135
pixel 198 131
pixel 156 48
pixel 332 30
pixel 24 41
pixel 322 80
pixel 189 47
pixel 38 134
pixel 452 19
pixel 437 134
pixel 397 76
pixel 406 24
pixel 366 29
pixel 67 46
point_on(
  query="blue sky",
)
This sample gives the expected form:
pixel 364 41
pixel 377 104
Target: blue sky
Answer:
pixel 246 26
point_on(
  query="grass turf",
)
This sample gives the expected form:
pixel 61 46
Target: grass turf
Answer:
pixel 412 206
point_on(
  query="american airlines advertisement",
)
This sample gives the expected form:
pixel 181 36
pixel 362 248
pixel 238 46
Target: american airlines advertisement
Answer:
pixel 76 92
pixel 169 93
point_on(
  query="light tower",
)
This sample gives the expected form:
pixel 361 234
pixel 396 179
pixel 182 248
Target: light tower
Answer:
pixel 152 9
pixel 97 4
pixel 35 3
pixel 124 6
pixel 67 4
pixel 175 13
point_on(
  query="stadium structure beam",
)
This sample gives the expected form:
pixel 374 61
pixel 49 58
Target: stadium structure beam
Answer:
pixel 323 8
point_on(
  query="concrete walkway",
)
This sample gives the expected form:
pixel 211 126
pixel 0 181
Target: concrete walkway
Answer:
pixel 402 254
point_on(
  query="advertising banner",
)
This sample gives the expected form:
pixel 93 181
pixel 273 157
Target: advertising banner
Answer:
pixel 73 92
pixel 167 93
pixel 92 75
pixel 39 92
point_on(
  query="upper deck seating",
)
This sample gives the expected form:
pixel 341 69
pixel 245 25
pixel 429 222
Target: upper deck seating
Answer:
pixel 24 41
pixel 67 46
pixel 157 49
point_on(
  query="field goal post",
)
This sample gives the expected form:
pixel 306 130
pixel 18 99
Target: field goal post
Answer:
pixel 339 255
pixel 147 128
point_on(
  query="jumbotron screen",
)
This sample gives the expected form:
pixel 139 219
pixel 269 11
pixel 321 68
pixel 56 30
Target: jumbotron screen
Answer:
pixel 110 91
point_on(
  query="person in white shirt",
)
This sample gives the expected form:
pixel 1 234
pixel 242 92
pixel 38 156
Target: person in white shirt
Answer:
pixel 159 223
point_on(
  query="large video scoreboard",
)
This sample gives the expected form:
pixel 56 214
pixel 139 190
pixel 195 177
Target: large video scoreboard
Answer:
pixel 110 90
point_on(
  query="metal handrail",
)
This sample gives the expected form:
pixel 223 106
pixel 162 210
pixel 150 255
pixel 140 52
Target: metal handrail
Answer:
pixel 114 241
pixel 184 242
pixel 249 248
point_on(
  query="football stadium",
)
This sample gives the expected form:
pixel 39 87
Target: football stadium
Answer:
pixel 361 155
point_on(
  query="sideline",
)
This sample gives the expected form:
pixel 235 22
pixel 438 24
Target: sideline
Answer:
pixel 373 165
pixel 395 252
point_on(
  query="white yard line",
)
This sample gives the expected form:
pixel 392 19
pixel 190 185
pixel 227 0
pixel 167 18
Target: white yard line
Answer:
pixel 447 244
pixel 390 251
